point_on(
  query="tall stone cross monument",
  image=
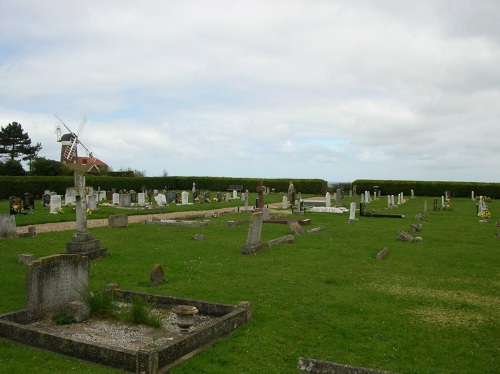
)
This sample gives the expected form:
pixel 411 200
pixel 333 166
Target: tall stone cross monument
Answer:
pixel 83 241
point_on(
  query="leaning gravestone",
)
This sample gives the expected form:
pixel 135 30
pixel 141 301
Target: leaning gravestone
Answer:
pixel 296 228
pixel 54 282
pixel 253 243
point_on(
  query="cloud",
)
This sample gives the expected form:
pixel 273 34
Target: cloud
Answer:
pixel 336 90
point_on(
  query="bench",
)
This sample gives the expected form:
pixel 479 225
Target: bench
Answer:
pixel 237 187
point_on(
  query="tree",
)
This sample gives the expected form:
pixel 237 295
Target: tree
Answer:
pixel 13 167
pixel 14 143
pixel 43 166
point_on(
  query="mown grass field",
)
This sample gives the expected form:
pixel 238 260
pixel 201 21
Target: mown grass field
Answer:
pixel 428 308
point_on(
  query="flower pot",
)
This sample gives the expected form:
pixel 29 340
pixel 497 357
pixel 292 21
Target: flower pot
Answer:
pixel 185 317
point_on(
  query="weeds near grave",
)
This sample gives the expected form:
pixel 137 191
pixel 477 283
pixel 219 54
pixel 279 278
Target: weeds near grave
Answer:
pixel 101 303
pixel 63 319
pixel 141 312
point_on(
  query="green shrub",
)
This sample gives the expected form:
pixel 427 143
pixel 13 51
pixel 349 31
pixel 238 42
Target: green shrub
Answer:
pixel 63 319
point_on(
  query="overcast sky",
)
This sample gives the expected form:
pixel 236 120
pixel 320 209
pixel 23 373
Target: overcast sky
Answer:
pixel 337 90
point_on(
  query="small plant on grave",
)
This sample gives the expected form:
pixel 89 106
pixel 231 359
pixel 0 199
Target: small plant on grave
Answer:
pixel 141 312
pixel 101 303
pixel 63 319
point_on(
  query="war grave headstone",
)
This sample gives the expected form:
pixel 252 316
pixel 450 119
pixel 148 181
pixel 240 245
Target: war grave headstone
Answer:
pixel 185 198
pixel 83 241
pixel 235 194
pixel 55 204
pixel 116 198
pixel 15 205
pixel 28 201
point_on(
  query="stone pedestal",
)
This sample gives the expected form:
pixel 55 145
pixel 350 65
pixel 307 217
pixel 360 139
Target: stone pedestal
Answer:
pixel 84 244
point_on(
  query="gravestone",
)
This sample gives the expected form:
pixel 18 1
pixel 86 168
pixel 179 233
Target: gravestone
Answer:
pixel 55 204
pixel 392 200
pixel 101 195
pixel 133 196
pixel 253 243
pixel 235 194
pixel 28 201
pixel 328 200
pixel 243 194
pixel 388 201
pixel 8 226
pixel 125 200
pixel 228 197
pixel 338 197
pixel 119 220
pixel 383 254
pixel 352 212
pixel 46 200
pixel 185 198
pixel 425 207
pixel 206 196
pixel 92 201
pixel 26 258
pixel 53 282
pixel 219 197
pixel 296 228
pixel 284 202
pixel 141 199
pixel 157 276
pixel 69 199
pixel 116 198
pixel 15 205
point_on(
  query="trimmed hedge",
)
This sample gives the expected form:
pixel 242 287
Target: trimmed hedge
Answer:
pixel 10 186
pixel 429 188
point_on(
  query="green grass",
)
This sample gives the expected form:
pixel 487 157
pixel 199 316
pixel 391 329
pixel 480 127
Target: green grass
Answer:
pixel 428 308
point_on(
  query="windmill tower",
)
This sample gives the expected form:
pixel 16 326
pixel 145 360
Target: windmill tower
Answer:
pixel 69 148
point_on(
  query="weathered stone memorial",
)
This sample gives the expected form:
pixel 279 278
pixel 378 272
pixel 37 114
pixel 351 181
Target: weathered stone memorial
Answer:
pixel 83 241
pixel 55 204
pixel 7 226
pixel 157 276
pixel 118 220
pixel 28 201
pixel 253 243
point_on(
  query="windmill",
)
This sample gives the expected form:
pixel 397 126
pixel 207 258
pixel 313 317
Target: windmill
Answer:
pixel 69 147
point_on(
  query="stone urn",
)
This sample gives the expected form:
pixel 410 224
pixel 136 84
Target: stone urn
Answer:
pixel 185 316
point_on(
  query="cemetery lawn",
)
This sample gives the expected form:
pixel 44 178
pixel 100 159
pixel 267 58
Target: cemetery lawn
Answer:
pixel 427 308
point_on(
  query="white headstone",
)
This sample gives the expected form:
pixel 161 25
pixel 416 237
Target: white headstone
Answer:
pixel 442 200
pixel 328 200
pixel 55 204
pixel 412 194
pixel 184 200
pixel 235 194
pixel 352 212
pixel 243 196
pixel 392 200
pixel 425 208
pixel 374 195
pixel 116 198
pixel 284 202
pixel 92 201
pixel 402 197
pixel 362 198
pixel 101 195
pixel 228 196
pixel 69 199
pixel 367 196
pixel 388 201
pixel 472 195
pixel 399 198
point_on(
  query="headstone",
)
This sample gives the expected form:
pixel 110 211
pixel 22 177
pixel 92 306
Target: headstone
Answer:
pixel 55 204
pixel 383 254
pixel 228 197
pixel 26 258
pixel 133 196
pixel 404 236
pixel 46 200
pixel 235 194
pixel 338 197
pixel 125 200
pixel 392 200
pixel 157 276
pixel 296 228
pixel 69 199
pixel 328 200
pixel 425 207
pixel 171 196
pixel 412 194
pixel 101 195
pixel 243 194
pixel 388 201
pixel 219 197
pixel 253 243
pixel 185 198
pixel 53 282
pixel 116 199
pixel 15 205
pixel 399 199
pixel 28 201
pixel 8 226
pixel 472 195
pixel 362 198
pixel 352 212
pixel 141 199
pixel 92 201
pixel 284 202
pixel 119 220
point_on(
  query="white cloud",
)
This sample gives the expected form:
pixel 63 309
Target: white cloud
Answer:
pixel 329 89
